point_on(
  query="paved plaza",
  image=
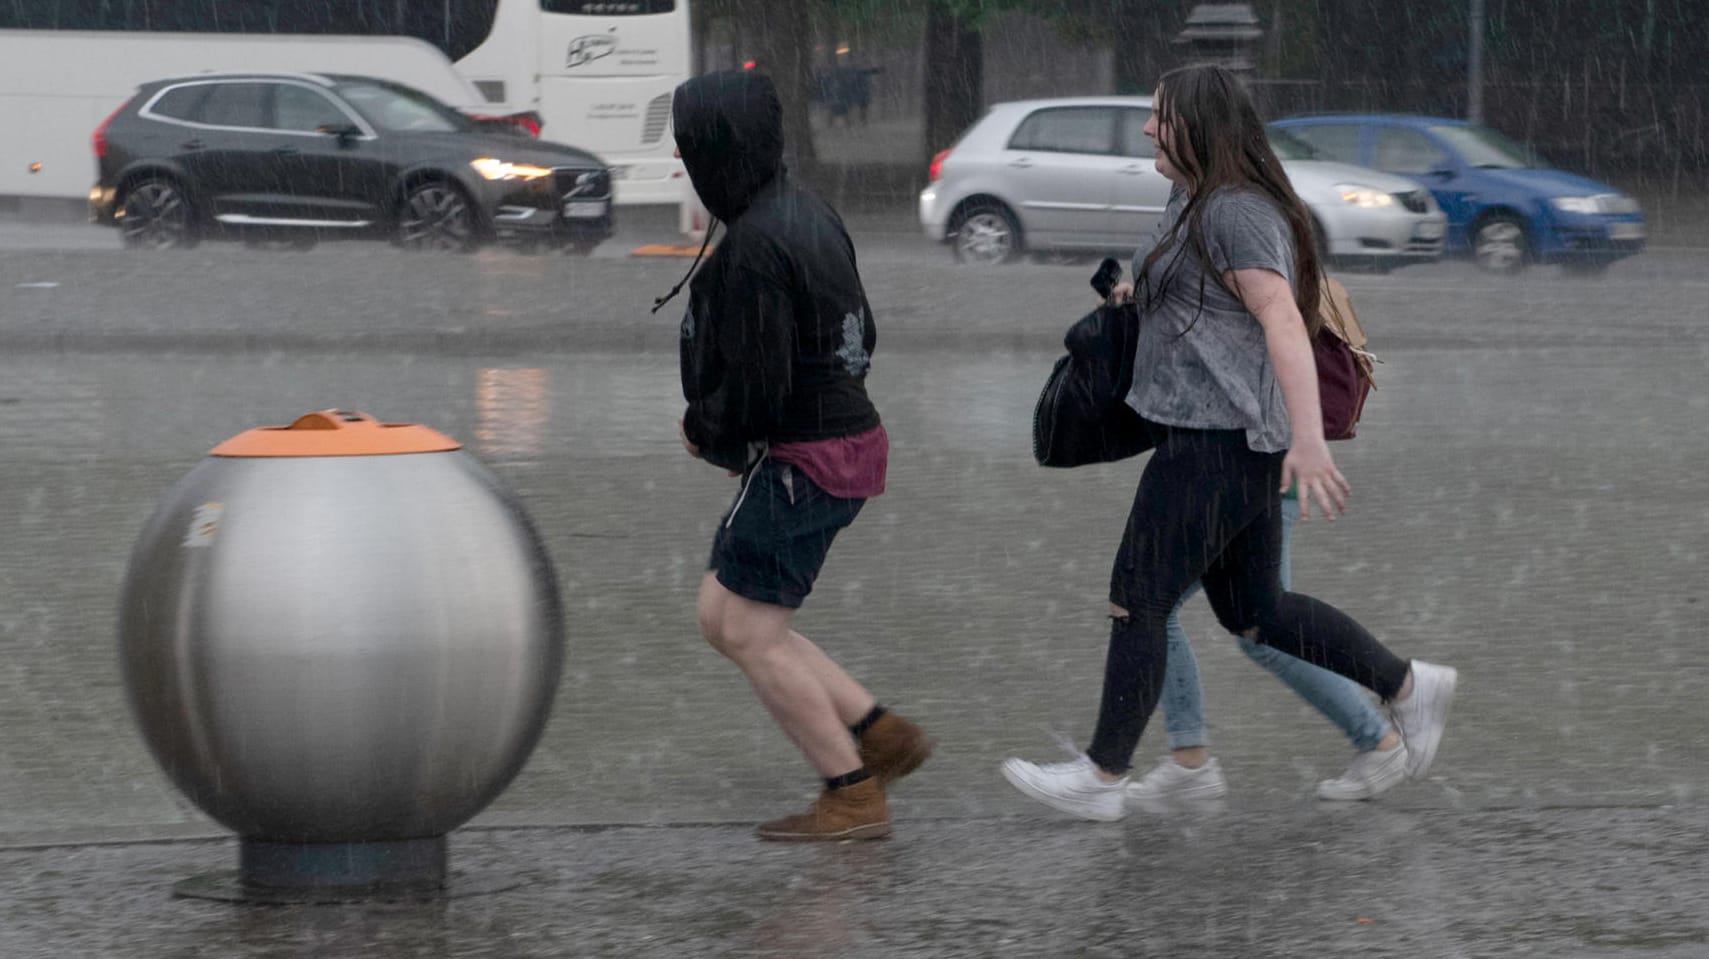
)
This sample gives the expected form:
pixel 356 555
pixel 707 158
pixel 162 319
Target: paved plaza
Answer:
pixel 1529 505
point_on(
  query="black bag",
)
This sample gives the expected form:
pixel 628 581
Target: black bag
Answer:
pixel 1082 415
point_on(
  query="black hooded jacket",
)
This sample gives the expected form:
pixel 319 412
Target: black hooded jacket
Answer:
pixel 778 335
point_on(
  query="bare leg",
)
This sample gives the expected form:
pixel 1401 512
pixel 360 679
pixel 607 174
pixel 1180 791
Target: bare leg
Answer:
pixel 850 699
pixel 1191 757
pixel 806 692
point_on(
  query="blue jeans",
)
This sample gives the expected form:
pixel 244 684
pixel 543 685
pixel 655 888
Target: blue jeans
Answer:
pixel 1342 701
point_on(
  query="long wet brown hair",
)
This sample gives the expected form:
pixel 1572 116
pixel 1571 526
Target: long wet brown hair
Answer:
pixel 1210 110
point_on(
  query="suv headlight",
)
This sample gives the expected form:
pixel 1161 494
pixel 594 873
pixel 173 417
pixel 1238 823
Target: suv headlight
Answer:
pixel 1363 197
pixel 500 170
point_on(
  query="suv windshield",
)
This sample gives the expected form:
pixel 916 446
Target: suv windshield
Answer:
pixel 398 109
pixel 1486 149
pixel 1290 147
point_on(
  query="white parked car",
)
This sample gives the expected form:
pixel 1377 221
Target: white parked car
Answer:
pixel 1077 174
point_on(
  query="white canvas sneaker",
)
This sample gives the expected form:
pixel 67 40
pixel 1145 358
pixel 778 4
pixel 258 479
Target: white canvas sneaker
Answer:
pixel 1372 773
pixel 1170 780
pixel 1422 716
pixel 1072 787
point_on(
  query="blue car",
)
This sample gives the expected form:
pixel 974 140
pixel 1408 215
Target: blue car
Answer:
pixel 1506 207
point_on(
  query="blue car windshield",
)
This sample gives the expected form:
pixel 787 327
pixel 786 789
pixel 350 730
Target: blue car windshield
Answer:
pixel 1486 149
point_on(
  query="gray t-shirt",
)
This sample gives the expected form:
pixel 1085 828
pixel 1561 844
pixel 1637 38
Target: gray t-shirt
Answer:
pixel 1205 366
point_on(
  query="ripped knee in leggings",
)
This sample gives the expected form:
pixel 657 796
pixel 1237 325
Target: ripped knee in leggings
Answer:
pixel 1117 613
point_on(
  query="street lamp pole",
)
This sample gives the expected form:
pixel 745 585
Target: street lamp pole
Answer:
pixel 1475 65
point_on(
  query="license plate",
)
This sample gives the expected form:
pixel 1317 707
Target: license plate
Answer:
pixel 584 209
pixel 1427 231
pixel 1626 231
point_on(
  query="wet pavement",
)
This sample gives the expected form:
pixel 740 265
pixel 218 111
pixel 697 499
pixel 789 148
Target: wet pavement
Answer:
pixel 1252 880
pixel 1529 506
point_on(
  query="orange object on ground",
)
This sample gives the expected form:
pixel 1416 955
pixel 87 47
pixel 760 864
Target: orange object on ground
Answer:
pixel 336 433
pixel 667 249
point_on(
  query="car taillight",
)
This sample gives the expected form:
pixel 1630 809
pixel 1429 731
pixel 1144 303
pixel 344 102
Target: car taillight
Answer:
pixel 99 139
pixel 527 122
pixel 937 168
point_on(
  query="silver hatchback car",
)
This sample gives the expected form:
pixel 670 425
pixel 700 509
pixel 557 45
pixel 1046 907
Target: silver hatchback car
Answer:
pixel 1078 174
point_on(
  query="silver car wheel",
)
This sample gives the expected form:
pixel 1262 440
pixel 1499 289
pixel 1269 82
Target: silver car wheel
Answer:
pixel 437 217
pixel 986 238
pixel 1500 246
pixel 157 216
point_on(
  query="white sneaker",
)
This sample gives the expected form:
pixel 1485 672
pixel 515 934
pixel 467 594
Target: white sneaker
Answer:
pixel 1171 780
pixel 1072 787
pixel 1421 717
pixel 1372 772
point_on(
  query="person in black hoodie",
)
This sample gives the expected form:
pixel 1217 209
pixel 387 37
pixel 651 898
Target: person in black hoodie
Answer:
pixel 776 343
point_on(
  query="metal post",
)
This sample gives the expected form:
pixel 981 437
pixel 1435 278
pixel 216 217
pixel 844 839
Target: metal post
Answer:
pixel 1475 65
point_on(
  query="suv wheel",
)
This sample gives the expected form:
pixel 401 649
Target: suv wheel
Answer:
pixel 987 235
pixel 437 216
pixel 158 216
pixel 1499 244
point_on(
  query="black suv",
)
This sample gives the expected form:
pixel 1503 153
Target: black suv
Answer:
pixel 303 156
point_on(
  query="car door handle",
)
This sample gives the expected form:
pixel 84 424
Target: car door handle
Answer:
pixel 192 145
pixel 1137 168
pixel 1021 164
pixel 285 151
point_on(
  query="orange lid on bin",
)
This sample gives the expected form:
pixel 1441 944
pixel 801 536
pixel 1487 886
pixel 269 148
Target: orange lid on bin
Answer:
pixel 336 433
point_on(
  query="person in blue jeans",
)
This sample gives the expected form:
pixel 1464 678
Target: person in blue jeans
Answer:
pixel 1190 772
pixel 1228 300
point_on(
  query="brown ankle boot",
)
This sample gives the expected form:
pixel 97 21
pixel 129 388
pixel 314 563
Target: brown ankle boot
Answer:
pixel 852 812
pixel 892 748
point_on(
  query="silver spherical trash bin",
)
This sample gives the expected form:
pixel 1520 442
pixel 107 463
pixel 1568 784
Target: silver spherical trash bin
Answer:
pixel 341 640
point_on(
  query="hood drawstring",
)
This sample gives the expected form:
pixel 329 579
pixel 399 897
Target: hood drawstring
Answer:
pixel 748 484
pixel 711 227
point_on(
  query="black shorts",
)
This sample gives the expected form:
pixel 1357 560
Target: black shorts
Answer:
pixel 773 541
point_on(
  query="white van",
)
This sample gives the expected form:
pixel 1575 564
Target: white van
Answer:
pixel 56 86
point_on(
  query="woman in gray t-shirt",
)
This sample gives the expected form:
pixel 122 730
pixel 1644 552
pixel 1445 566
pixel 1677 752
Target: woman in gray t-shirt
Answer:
pixel 1226 384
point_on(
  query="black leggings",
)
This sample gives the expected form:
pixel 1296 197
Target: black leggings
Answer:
pixel 1208 510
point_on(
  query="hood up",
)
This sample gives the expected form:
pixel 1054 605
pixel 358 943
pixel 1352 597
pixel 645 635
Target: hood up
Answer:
pixel 729 128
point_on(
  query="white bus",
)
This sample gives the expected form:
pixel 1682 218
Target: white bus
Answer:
pixel 599 73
